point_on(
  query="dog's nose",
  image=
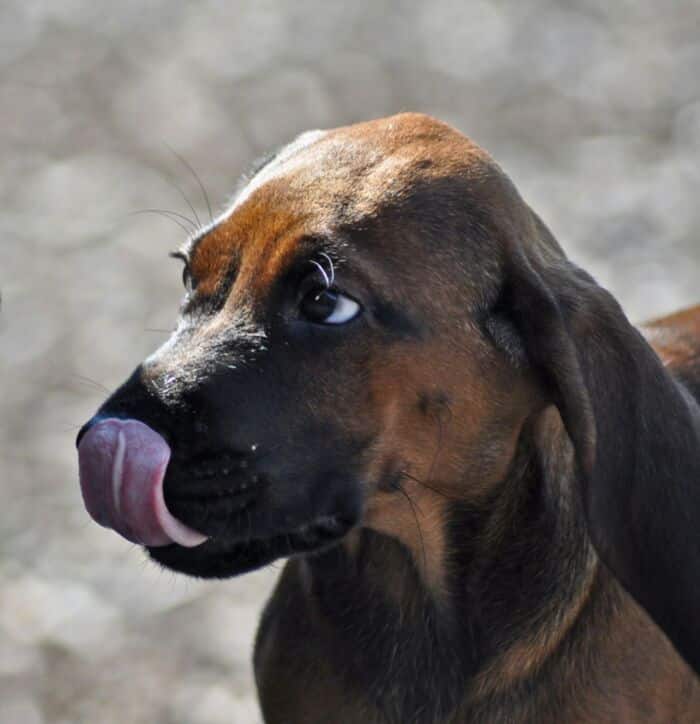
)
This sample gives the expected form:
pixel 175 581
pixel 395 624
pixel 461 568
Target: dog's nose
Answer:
pixel 85 428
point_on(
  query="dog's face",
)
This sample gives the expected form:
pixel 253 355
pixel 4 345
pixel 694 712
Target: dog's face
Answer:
pixel 333 365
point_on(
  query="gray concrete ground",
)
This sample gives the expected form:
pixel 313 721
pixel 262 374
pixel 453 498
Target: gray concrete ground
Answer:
pixel 593 106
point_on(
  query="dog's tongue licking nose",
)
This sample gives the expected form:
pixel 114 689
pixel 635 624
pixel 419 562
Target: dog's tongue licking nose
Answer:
pixel 122 466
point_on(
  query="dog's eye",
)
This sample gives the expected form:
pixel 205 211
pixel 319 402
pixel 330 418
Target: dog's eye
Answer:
pixel 328 306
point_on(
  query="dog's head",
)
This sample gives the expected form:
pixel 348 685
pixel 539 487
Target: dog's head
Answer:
pixel 366 332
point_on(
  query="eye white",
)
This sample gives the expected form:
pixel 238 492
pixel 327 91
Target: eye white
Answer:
pixel 345 310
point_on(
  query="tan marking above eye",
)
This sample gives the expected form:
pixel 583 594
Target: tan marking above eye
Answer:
pixel 211 259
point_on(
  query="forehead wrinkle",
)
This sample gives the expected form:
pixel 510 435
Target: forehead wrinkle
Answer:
pixel 213 259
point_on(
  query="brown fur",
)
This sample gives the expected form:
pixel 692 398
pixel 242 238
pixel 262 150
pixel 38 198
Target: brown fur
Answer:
pixel 676 339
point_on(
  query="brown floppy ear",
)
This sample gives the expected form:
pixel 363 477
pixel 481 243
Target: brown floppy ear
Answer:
pixel 635 431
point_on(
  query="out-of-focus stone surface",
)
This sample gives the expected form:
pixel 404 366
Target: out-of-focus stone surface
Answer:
pixel 593 107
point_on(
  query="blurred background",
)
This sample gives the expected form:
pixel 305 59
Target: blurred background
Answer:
pixel 592 106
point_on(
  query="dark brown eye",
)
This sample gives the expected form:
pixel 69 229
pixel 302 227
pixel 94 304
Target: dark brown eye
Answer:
pixel 328 306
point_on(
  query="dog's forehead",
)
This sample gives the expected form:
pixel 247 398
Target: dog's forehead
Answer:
pixel 356 167
pixel 364 159
pixel 328 180
pixel 282 163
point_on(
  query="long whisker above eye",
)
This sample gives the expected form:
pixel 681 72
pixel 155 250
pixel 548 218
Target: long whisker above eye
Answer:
pixel 186 200
pixel 189 167
pixel 174 216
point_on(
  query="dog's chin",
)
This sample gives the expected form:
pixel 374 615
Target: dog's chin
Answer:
pixel 219 557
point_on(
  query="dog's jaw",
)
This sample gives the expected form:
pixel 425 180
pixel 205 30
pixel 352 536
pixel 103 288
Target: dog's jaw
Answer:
pixel 222 558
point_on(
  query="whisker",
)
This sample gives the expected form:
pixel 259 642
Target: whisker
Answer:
pixel 435 490
pixel 178 188
pixel 175 214
pixel 94 383
pixel 187 165
pixel 436 454
pixel 165 215
pixel 414 506
pixel 438 447
pixel 69 428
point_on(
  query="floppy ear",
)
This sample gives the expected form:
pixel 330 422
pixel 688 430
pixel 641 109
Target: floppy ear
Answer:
pixel 635 431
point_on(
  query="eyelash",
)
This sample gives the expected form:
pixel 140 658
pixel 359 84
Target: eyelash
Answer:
pixel 318 287
pixel 327 287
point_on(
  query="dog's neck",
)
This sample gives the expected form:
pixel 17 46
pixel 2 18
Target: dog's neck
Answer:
pixel 519 574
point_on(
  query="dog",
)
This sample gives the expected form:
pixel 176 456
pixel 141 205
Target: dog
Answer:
pixel 484 478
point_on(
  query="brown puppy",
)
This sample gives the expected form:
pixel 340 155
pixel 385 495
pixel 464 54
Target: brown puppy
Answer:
pixel 387 368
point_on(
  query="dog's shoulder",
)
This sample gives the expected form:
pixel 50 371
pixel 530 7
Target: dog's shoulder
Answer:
pixel 676 339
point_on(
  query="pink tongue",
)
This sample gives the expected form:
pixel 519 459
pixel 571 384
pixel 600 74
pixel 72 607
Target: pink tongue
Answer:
pixel 122 466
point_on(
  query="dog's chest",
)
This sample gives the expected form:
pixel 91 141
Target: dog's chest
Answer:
pixel 344 655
